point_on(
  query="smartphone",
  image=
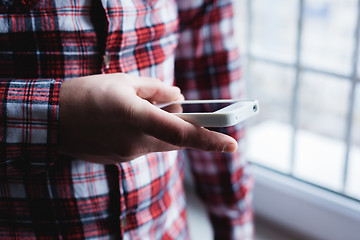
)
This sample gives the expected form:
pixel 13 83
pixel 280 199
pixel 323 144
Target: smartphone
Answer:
pixel 213 113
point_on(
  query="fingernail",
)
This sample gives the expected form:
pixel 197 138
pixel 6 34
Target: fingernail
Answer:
pixel 229 148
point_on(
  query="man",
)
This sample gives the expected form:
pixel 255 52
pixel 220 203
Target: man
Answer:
pixel 85 153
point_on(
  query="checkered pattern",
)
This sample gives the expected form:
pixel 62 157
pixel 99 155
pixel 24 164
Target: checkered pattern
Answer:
pixel 44 195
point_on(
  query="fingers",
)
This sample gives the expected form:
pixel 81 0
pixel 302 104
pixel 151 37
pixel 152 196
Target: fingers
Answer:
pixel 154 90
pixel 171 129
pixel 173 108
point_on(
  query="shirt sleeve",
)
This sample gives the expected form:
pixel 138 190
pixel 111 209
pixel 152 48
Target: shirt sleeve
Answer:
pixel 208 67
pixel 28 129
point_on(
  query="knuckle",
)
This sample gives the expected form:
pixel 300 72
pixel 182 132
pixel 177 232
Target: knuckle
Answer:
pixel 155 80
pixel 211 146
pixel 121 75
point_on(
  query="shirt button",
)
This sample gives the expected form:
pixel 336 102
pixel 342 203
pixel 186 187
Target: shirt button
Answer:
pixel 106 60
pixel 123 223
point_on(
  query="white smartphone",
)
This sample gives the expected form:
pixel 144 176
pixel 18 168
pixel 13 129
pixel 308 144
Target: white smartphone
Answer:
pixel 213 113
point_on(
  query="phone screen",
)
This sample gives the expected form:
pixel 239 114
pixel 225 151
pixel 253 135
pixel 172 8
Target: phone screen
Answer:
pixel 195 107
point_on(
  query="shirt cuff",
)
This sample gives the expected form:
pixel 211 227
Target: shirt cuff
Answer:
pixel 29 129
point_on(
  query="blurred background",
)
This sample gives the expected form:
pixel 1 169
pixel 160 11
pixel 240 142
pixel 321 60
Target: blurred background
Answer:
pixel 301 61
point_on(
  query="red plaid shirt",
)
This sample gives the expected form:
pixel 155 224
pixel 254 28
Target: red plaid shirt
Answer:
pixel 45 195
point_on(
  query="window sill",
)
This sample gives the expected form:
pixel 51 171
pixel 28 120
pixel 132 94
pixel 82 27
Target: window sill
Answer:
pixel 305 209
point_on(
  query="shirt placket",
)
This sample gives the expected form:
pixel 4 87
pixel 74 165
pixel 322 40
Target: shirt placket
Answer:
pixel 105 68
pixel 106 58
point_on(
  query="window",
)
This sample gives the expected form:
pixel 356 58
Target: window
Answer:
pixel 302 65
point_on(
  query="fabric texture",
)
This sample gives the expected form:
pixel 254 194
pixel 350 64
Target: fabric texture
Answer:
pixel 44 195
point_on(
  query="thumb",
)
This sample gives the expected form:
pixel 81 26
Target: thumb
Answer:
pixel 171 129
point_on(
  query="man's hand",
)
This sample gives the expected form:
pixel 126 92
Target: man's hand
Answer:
pixel 110 118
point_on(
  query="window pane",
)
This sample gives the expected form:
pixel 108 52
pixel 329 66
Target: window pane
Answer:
pixel 241 17
pixel 353 181
pixel 328 34
pixel 269 138
pixel 274 31
pixel 320 149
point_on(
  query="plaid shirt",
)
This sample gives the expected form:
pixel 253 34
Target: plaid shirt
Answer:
pixel 44 195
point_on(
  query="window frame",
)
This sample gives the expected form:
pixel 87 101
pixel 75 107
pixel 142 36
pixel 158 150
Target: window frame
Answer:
pixel 299 69
pixel 286 200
